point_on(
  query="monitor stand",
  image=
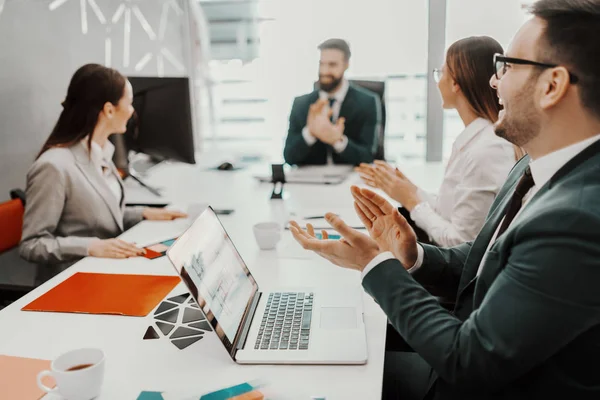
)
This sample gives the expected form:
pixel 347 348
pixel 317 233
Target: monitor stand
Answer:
pixel 139 165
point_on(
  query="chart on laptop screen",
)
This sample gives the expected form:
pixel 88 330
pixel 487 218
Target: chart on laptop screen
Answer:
pixel 208 259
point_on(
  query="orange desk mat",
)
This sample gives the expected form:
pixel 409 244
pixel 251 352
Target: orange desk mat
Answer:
pixel 18 378
pixel 92 293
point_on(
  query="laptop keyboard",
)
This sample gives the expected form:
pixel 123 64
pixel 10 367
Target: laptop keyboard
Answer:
pixel 286 322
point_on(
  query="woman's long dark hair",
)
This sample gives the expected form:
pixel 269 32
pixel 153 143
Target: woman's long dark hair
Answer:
pixel 91 87
pixel 470 63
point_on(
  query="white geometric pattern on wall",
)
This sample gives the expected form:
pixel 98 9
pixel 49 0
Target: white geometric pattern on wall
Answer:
pixel 123 14
pixel 84 3
pixel 161 52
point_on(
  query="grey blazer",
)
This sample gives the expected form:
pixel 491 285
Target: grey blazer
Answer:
pixel 69 204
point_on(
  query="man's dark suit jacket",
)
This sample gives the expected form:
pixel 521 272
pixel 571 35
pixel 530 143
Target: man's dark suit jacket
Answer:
pixel 529 326
pixel 361 110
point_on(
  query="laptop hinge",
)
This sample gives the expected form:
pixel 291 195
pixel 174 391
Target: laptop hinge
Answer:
pixel 247 323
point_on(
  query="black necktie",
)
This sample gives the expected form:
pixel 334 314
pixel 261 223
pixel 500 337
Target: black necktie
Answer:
pixel 516 202
pixel 331 103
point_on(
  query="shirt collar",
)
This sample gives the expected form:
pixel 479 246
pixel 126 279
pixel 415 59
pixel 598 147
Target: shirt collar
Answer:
pixel 100 155
pixel 470 132
pixel 544 168
pixel 340 95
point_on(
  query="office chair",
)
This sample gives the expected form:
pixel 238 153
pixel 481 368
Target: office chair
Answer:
pixel 377 87
pixel 17 276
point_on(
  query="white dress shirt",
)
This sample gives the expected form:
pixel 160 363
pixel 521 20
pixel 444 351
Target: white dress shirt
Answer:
pixel 478 167
pixel 339 97
pixel 102 158
pixel 542 170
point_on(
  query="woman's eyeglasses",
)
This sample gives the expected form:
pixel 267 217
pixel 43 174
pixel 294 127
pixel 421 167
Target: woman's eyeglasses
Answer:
pixel 437 75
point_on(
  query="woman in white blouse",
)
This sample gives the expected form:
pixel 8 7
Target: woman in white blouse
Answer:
pixel 75 200
pixel 480 160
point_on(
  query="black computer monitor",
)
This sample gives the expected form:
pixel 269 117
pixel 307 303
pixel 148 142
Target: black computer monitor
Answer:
pixel 162 124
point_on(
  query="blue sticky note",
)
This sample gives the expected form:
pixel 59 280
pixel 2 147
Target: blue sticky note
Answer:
pixel 229 392
pixel 168 242
pixel 150 396
pixel 331 236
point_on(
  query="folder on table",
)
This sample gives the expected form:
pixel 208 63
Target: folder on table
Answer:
pixel 18 378
pixel 94 293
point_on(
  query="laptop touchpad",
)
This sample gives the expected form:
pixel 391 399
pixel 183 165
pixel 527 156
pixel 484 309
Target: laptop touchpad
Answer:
pixel 338 318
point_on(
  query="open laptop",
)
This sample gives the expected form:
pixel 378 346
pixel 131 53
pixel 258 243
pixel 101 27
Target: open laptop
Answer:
pixel 279 327
pixel 314 174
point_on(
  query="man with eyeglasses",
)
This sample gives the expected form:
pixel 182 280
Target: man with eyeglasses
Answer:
pixel 526 324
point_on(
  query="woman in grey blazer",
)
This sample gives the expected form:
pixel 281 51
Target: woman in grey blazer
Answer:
pixel 75 198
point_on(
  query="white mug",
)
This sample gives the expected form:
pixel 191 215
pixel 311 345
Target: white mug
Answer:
pixel 267 234
pixel 72 383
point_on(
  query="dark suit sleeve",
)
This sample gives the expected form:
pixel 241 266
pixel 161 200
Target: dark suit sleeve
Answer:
pixel 546 295
pixel 362 148
pixel 296 150
pixel 442 267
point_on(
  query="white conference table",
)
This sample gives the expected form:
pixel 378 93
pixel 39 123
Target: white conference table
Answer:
pixel 133 364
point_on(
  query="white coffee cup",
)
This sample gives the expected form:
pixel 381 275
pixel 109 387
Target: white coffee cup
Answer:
pixel 267 234
pixel 72 381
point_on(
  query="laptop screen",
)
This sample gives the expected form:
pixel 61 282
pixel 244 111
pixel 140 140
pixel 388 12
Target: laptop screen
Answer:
pixel 215 275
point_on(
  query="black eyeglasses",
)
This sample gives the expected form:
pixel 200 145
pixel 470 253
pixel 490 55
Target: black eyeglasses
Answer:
pixel 500 66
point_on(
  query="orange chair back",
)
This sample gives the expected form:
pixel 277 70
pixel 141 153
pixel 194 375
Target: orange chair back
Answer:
pixel 11 224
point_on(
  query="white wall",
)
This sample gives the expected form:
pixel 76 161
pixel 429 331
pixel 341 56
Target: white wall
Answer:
pixel 498 19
